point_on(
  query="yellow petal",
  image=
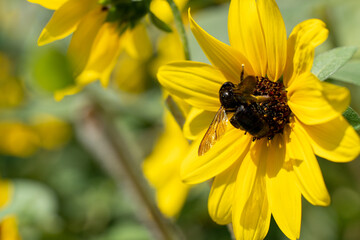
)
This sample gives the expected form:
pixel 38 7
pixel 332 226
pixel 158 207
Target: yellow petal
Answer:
pixel 303 162
pixel 50 4
pixel 227 59
pixel 335 140
pixel 163 11
pixel 60 94
pixel 315 102
pixel 222 195
pixel 162 168
pixel 197 83
pixel 196 122
pixel 232 147
pixel 137 42
pixel 301 46
pixel 283 194
pixel 103 56
pixel 275 37
pixel 168 153
pixel 246 35
pixel 6 191
pixel 130 74
pixel 251 212
pixel 171 197
pixel 83 39
pixel 9 228
pixel 65 20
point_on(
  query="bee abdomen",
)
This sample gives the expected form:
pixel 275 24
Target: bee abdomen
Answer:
pixel 249 120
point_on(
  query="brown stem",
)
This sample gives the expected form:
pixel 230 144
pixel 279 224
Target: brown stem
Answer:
pixel 99 135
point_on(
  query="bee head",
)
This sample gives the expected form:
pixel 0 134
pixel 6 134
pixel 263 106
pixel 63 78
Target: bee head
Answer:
pixel 227 96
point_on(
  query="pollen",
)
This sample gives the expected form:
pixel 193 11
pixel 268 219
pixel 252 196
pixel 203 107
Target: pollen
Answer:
pixel 275 111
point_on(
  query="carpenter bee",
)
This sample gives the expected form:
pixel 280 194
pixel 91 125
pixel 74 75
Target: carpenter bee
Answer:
pixel 237 104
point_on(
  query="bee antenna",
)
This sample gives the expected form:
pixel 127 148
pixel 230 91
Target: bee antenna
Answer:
pixel 242 72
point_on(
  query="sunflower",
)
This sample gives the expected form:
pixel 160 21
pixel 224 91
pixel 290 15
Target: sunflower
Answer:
pixel 259 176
pixel 100 34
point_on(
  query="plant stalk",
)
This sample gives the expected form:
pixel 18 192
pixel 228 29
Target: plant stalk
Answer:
pixel 180 27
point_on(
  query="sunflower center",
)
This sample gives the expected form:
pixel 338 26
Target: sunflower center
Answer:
pixel 256 105
pixel 274 111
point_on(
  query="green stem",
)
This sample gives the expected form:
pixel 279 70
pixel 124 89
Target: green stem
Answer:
pixel 180 27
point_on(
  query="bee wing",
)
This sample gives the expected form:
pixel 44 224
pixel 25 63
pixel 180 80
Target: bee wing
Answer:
pixel 216 129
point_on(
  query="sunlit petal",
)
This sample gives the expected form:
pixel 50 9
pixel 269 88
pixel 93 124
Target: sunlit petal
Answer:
pixel 227 59
pixel 50 4
pixel 283 194
pixel 275 37
pixel 301 46
pixel 232 147
pixel 197 83
pixel 82 40
pixel 222 195
pixel 246 35
pixel 251 212
pixel 335 140
pixel 315 102
pixel 307 171
pixel 65 20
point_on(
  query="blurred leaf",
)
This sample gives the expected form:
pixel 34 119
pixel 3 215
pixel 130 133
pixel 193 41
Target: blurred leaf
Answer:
pixel 35 204
pixel 350 73
pixel 328 63
pixel 52 71
pixel 353 118
pixel 126 230
pixel 159 23
pixel 347 203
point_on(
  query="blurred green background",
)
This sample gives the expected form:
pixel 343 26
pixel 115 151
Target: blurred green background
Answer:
pixel 61 192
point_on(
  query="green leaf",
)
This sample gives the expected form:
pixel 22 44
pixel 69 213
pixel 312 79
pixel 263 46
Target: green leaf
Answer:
pixel 353 118
pixel 350 73
pixel 52 71
pixel 328 63
pixel 159 23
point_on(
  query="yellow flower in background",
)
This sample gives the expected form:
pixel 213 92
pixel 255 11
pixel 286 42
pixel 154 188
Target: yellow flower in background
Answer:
pixel 97 41
pixel 161 168
pixel 18 139
pixel 133 70
pixel 259 176
pixel 94 45
pixel 53 132
pixel 23 140
pixel 8 225
pixel 9 229
pixel 11 88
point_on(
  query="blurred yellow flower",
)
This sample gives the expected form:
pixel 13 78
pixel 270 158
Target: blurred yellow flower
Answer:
pixel 97 41
pixel 134 70
pixel 9 228
pixel 18 139
pixel 23 140
pixel 11 88
pixel 53 132
pixel 259 176
pixel 162 168
pixel 8 225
